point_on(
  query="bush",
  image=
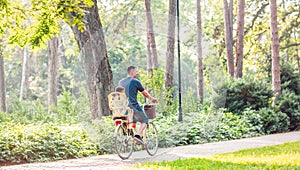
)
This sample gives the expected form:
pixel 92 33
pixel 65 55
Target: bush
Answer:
pixel 289 103
pixel 102 133
pixel 205 126
pixel 290 79
pixel 33 112
pixel 254 118
pixel 274 121
pixel 31 143
pixel 247 93
pixel 233 126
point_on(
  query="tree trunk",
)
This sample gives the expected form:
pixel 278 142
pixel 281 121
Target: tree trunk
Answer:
pixel 230 12
pixel 149 58
pixel 169 72
pixel 298 61
pixel 27 76
pixel 151 36
pixel 199 50
pixel 24 71
pixel 98 73
pixel 275 51
pixel 53 53
pixel 2 81
pixel 228 40
pixel 240 40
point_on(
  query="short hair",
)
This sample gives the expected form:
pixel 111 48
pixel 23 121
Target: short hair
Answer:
pixel 119 89
pixel 130 68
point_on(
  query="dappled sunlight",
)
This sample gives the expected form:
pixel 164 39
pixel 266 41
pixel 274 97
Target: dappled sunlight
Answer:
pixel 292 159
pixel 285 156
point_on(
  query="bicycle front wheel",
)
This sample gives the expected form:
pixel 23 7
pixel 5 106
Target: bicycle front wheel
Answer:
pixel 151 139
pixel 123 141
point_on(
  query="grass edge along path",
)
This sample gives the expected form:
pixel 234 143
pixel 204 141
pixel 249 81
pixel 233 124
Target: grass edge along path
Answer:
pixel 284 156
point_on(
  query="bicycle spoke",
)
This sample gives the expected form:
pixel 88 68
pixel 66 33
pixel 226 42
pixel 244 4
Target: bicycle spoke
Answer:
pixel 123 142
pixel 151 139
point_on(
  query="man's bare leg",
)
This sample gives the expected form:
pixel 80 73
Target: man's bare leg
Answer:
pixel 142 128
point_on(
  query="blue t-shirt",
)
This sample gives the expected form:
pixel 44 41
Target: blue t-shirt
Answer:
pixel 132 86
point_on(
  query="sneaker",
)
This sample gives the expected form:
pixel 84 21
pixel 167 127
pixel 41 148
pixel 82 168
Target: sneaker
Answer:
pixel 138 139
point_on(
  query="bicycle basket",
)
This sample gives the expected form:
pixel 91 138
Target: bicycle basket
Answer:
pixel 150 111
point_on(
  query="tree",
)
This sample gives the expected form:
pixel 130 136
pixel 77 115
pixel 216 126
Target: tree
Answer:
pixel 230 12
pixel 83 17
pixel 152 53
pixel 92 47
pixel 240 39
pixel 53 52
pixel 199 50
pixel 3 5
pixel 2 81
pixel 228 40
pixel 24 74
pixel 169 72
pixel 10 14
pixel 275 51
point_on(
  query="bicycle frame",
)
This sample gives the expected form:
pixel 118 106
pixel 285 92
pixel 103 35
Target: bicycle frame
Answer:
pixel 124 138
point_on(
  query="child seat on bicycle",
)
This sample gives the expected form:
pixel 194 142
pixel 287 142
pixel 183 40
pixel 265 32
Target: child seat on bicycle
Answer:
pixel 118 104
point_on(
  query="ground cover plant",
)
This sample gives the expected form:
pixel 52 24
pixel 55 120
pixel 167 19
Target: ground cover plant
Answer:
pixel 285 156
pixel 32 133
pixel 47 142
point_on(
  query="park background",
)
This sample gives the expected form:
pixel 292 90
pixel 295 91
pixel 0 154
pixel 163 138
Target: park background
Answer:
pixel 58 64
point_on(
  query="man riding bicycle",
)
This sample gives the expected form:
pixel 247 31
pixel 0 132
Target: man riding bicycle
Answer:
pixel 132 86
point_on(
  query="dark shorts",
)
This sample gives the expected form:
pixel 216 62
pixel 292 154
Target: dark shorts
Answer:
pixel 139 114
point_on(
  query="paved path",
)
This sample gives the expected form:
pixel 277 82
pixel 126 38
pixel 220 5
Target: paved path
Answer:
pixel 114 162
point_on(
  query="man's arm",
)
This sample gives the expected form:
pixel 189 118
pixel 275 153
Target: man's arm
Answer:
pixel 148 96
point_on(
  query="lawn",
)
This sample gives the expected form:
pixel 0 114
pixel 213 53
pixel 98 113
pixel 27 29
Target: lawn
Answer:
pixel 285 156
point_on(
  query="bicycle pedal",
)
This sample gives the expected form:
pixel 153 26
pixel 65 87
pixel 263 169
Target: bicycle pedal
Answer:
pixel 139 142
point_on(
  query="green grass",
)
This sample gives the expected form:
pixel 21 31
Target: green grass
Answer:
pixel 285 156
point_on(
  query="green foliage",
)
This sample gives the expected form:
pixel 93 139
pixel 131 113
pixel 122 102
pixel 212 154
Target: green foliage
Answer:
pixel 283 156
pixel 3 4
pixel 155 81
pixel 125 42
pixel 47 16
pixel 290 79
pixel 47 142
pixel 289 103
pixel 68 110
pixel 254 118
pixel 247 93
pixel 232 126
pixel 102 133
pixel 124 53
pixel 267 120
pixel 26 113
pixel 208 125
pixel 274 121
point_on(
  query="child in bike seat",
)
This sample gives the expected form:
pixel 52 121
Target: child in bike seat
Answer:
pixel 126 109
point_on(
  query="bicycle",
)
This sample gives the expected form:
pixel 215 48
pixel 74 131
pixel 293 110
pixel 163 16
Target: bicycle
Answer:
pixel 125 129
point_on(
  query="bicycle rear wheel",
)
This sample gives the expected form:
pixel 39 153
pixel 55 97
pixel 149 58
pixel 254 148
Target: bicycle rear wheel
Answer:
pixel 151 139
pixel 123 141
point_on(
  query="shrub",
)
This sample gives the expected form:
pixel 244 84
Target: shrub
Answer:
pixel 101 131
pixel 33 112
pixel 233 126
pixel 274 121
pixel 247 93
pixel 155 81
pixel 208 125
pixel 290 80
pixel 289 103
pixel 31 143
pixel 254 118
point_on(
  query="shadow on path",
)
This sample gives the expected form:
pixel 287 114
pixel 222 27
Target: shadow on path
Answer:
pixel 167 154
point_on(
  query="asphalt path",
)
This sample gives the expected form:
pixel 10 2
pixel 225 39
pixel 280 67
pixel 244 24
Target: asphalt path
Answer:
pixel 113 162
